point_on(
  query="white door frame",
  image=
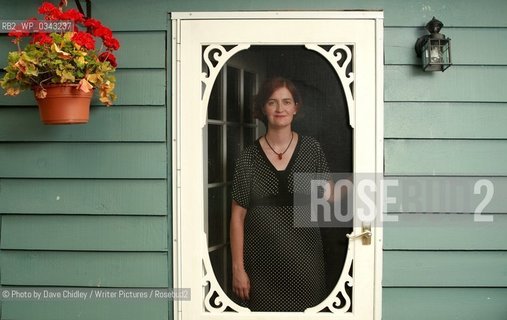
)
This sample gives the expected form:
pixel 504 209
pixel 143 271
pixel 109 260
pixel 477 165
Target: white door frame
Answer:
pixel 195 29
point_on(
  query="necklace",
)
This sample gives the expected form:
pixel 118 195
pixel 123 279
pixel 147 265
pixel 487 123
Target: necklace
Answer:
pixel 280 154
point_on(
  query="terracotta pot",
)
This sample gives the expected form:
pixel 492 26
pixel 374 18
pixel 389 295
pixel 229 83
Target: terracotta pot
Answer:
pixel 64 104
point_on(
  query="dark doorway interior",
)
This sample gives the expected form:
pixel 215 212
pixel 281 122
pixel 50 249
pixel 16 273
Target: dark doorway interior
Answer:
pixel 324 116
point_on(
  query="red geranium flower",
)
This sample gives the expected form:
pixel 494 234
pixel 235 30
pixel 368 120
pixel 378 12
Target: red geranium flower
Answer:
pixel 108 56
pixel 47 7
pixel 50 11
pixel 103 32
pixel 84 39
pixel 111 42
pixel 18 34
pixel 42 38
pixel 72 14
pixel 92 23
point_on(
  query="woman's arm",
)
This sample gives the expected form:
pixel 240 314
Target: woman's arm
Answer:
pixel 240 280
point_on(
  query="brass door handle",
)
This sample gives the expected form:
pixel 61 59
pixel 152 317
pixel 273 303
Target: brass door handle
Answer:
pixel 365 236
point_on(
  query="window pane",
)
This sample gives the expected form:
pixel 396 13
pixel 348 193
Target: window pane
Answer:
pixel 229 272
pixel 217 262
pixel 216 216
pixel 214 153
pixel 248 96
pixel 233 94
pixel 228 203
pixel 215 105
pixel 233 149
pixel 248 136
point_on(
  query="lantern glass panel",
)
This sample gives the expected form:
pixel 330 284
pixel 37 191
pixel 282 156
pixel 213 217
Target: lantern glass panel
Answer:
pixel 436 55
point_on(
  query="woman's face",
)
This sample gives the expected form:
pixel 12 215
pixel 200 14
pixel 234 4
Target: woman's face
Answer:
pixel 280 108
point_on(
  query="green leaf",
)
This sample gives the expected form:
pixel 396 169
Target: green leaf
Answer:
pixel 13 57
pixel 31 70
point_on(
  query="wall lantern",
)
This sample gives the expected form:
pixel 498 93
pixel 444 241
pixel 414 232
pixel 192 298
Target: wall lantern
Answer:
pixel 434 49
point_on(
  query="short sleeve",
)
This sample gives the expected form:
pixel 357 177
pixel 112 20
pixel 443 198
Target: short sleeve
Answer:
pixel 241 184
pixel 321 165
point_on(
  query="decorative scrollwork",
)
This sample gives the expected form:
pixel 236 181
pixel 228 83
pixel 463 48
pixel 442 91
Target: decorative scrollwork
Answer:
pixel 215 56
pixel 338 300
pixel 340 57
pixel 215 301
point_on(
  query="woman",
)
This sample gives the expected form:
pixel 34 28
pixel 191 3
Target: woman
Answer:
pixel 276 266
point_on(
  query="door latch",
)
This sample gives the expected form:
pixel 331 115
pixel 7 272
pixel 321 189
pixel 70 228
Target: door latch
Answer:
pixel 365 235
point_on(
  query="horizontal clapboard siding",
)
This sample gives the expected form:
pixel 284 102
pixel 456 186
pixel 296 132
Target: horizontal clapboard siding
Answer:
pixel 446 157
pixel 446 194
pixel 84 269
pixel 133 87
pixel 449 120
pixel 86 233
pixel 440 263
pixel 152 14
pixel 457 84
pixel 139 49
pixel 142 49
pixel 114 124
pixel 149 15
pixel 87 205
pixel 467 13
pixel 444 303
pixel 445 232
pixel 468 45
pixel 445 269
pixel 95 309
pixel 83 160
pixel 83 196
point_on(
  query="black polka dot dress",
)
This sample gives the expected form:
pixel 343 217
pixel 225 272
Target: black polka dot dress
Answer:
pixel 285 263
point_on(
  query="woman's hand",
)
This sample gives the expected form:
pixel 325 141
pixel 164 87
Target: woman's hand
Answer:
pixel 240 280
pixel 241 284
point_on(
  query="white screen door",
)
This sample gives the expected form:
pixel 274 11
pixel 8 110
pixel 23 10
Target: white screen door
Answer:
pixel 220 57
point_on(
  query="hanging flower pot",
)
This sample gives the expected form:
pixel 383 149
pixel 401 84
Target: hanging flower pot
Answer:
pixel 63 104
pixel 66 54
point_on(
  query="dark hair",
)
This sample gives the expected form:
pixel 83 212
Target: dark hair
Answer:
pixel 267 88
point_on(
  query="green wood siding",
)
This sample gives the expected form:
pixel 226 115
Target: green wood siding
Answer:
pixel 84 233
pixel 444 303
pixel 134 87
pixel 445 157
pixel 457 84
pixel 86 206
pixel 88 196
pixel 468 44
pixel 446 232
pixel 439 265
pixel 449 120
pixel 89 205
pixel 142 49
pixel 84 160
pixel 445 269
pixel 83 269
pixel 96 309
pixel 22 124
pixel 454 13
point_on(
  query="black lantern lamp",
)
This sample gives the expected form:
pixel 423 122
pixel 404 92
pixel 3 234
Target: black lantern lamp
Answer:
pixel 434 49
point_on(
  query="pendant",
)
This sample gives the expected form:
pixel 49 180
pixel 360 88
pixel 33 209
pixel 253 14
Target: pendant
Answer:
pixel 280 156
